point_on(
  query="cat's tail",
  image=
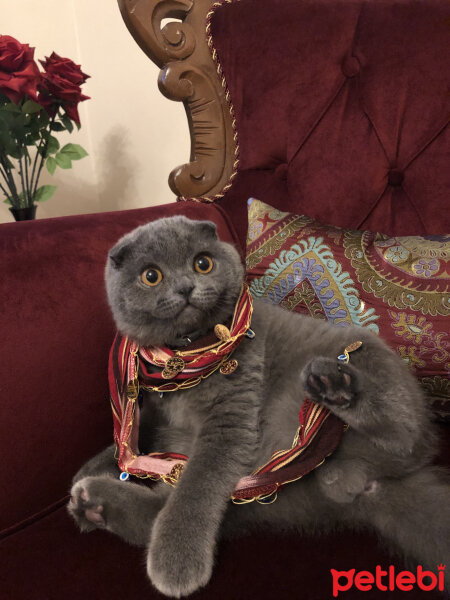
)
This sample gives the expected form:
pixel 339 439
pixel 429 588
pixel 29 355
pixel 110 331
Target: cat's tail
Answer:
pixel 412 514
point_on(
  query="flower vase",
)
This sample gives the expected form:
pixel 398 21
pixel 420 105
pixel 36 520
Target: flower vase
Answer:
pixel 24 214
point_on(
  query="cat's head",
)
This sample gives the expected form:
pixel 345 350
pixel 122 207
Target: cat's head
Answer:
pixel 170 279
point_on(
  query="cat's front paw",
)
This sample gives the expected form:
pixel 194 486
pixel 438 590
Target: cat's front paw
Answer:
pixel 180 558
pixel 329 382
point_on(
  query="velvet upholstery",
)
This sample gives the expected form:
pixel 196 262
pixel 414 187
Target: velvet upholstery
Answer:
pixel 350 110
pixel 340 114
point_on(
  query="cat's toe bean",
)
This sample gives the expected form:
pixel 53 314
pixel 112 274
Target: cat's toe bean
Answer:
pixel 325 380
pixel 312 383
pixel 371 487
pixel 94 514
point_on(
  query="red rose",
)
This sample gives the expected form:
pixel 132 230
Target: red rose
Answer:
pixel 61 83
pixel 19 74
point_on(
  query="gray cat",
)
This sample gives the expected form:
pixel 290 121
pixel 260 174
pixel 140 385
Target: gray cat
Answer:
pixel 380 476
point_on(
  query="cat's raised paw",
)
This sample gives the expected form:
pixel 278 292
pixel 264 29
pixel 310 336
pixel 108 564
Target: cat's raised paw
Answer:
pixel 329 382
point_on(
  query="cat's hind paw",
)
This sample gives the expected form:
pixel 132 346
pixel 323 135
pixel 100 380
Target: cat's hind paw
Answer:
pixel 85 506
pixel 343 483
pixel 329 382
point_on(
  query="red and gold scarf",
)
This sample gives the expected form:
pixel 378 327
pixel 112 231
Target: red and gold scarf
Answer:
pixel 133 367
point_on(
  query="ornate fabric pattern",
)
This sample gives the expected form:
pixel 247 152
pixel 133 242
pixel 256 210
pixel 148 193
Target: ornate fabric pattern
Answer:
pixel 405 272
pixel 397 287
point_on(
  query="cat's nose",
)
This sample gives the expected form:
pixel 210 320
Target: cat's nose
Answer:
pixel 185 290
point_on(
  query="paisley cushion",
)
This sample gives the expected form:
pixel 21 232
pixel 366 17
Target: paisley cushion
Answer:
pixel 398 287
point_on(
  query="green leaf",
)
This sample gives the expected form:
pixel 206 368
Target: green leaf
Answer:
pixel 7 144
pixel 52 145
pixel 63 160
pixel 14 152
pixel 31 107
pixel 57 127
pixel 45 192
pixel 34 128
pixel 67 123
pixel 44 118
pixel 74 151
pixel 11 107
pixel 6 117
pixel 51 165
pixel 9 199
pixel 17 127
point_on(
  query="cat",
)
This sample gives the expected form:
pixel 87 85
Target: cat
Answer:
pixel 170 282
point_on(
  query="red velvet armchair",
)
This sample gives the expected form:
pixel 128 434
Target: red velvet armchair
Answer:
pixel 331 108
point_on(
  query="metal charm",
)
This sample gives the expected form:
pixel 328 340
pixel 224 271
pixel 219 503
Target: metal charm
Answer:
pixel 354 346
pixel 345 357
pixel 176 471
pixel 229 367
pixel 173 366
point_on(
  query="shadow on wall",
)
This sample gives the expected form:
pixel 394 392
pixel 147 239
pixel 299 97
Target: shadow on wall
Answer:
pixel 107 186
pixel 116 173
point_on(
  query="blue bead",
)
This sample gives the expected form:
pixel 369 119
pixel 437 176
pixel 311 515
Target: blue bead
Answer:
pixel 124 476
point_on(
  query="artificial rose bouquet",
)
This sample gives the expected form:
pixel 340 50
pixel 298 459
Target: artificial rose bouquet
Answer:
pixel 33 106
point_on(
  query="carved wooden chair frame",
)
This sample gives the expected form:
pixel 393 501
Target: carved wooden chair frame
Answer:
pixel 191 73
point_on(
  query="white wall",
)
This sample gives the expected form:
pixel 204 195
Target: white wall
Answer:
pixel 134 135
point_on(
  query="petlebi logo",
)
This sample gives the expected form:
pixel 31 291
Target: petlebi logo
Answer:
pixel 388 580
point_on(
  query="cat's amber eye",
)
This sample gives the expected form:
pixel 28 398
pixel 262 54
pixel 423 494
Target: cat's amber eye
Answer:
pixel 203 264
pixel 151 277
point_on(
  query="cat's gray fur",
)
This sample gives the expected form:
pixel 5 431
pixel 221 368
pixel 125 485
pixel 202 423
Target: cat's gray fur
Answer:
pixel 379 477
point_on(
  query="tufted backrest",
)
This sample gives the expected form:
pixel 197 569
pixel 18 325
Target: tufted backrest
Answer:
pixel 342 109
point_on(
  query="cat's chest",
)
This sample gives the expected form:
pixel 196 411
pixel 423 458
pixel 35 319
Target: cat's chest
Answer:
pixel 183 410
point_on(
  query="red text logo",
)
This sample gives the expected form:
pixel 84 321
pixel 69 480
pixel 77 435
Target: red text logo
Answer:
pixel 388 580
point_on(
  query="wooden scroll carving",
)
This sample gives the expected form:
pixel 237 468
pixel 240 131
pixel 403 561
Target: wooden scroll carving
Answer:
pixel 189 73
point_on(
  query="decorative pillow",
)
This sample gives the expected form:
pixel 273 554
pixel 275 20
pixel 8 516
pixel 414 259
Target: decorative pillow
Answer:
pixel 397 287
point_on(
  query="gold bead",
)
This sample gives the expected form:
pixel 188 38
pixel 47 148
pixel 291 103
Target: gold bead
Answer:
pixel 353 346
pixel 222 332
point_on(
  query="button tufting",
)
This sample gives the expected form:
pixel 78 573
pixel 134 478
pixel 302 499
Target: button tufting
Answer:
pixel 395 177
pixel 281 171
pixel 351 66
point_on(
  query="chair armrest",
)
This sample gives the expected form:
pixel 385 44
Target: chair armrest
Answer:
pixel 56 332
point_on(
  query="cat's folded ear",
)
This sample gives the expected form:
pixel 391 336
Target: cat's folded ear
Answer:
pixel 206 229
pixel 119 253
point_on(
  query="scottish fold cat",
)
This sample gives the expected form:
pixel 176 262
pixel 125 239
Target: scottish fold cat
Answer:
pixel 169 283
